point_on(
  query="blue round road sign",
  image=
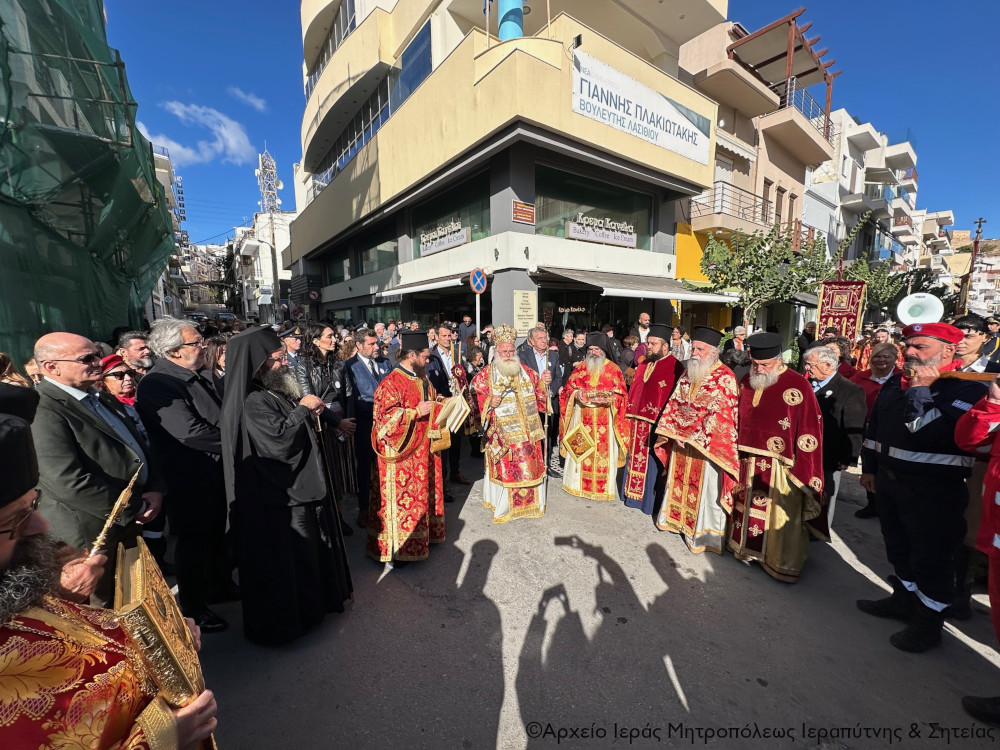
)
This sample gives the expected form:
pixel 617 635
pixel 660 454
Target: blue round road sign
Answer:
pixel 477 280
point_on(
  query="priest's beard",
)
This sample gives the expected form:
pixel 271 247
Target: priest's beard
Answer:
pixel 595 364
pixel 650 357
pixel 33 572
pixel 697 369
pixel 509 368
pixel 282 381
pixel 759 380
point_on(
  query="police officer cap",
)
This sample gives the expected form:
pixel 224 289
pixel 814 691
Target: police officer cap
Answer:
pixel 296 332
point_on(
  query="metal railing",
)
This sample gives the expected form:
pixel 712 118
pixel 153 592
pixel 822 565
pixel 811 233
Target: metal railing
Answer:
pixel 903 221
pixel 725 198
pixel 793 96
pixel 907 175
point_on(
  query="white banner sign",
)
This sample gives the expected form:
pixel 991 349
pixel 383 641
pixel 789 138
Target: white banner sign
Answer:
pixel 444 238
pixel 596 233
pixel 607 95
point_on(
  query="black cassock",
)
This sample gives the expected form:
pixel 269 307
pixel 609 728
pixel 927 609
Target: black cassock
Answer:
pixel 290 549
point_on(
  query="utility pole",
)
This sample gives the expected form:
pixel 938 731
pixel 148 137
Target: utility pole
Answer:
pixel 972 261
pixel 269 184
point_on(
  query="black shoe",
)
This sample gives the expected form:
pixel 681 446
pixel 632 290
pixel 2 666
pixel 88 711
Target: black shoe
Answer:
pixel 869 511
pixel 345 527
pixel 986 710
pixel 448 498
pixel 229 592
pixel 208 621
pixel 923 632
pixel 960 609
pixel 900 606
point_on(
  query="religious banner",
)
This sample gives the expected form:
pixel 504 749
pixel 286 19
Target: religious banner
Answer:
pixel 841 305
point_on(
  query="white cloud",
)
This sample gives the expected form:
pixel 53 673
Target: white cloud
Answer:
pixel 248 98
pixel 230 142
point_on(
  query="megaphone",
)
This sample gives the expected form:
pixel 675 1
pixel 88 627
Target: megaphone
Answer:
pixel 920 307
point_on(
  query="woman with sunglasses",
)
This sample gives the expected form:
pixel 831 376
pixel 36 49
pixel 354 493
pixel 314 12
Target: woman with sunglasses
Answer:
pixel 118 379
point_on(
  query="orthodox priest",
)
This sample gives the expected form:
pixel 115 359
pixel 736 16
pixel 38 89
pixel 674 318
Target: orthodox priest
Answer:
pixel 511 396
pixel 696 440
pixel 593 430
pixel 408 515
pixel 654 381
pixel 69 677
pixel 289 546
pixel 778 501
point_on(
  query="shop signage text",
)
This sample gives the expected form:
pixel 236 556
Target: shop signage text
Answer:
pixel 600 232
pixel 572 309
pixel 607 95
pixel 444 237
pixel 525 310
pixel 523 213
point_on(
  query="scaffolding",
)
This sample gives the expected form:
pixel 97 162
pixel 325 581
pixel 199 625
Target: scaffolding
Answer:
pixel 85 230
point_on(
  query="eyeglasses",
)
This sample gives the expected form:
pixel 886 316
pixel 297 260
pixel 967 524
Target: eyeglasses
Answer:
pixel 13 530
pixel 121 374
pixel 86 359
pixel 199 342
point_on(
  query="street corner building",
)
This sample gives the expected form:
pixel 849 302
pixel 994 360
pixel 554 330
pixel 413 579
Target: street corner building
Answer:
pixel 778 501
pixel 514 482
pixel 409 516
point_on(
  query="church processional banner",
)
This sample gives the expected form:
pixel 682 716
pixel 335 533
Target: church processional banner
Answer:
pixel 841 305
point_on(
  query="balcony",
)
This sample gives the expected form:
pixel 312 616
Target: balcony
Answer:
pixel 863 137
pixel 731 84
pixel 900 156
pixel 902 227
pixel 908 179
pixel 730 209
pixel 901 206
pixel 801 126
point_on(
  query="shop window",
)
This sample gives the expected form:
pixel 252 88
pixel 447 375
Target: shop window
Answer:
pixel 337 267
pixel 571 205
pixel 457 216
pixel 378 250
pixel 373 314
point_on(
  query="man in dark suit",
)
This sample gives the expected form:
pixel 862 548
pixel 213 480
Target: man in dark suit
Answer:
pixel 844 408
pixel 182 411
pixel 546 364
pixel 88 449
pixel 444 355
pixel 365 371
pixel 804 341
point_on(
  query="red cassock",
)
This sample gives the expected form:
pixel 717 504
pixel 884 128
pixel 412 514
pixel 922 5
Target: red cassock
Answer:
pixel 69 679
pixel 779 500
pixel 410 513
pixel 652 386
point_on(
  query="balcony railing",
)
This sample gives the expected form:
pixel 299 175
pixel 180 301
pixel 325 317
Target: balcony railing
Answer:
pixel 903 221
pixel 945 233
pixel 343 25
pixel 905 175
pixel 730 200
pixel 793 96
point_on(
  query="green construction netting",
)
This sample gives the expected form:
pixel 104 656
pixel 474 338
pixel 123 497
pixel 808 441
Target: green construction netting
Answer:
pixel 85 231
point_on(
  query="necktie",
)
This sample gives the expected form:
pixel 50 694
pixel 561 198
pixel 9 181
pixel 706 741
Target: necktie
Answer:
pixel 371 366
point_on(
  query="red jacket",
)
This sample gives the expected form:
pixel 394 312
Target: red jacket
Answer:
pixel 976 432
pixel 864 379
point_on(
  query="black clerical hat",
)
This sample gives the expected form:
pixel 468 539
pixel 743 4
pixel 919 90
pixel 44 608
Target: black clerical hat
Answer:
pixel 413 341
pixel 764 345
pixel 706 335
pixel 18 464
pixel 660 331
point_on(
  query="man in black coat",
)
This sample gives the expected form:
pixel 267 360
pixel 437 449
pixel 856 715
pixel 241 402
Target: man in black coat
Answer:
pixel 545 362
pixel 844 410
pixel 88 450
pixel 445 354
pixel 804 341
pixel 182 411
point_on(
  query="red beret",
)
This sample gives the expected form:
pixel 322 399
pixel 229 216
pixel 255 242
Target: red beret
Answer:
pixel 112 360
pixel 941 331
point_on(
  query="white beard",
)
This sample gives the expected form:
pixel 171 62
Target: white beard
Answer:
pixel 595 365
pixel 697 369
pixel 509 368
pixel 760 380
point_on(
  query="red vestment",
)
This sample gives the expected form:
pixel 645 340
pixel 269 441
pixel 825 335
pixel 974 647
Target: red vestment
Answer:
pixel 651 387
pixel 410 514
pixel 70 679
pixel 698 427
pixel 781 476
pixel 515 461
pixel 592 409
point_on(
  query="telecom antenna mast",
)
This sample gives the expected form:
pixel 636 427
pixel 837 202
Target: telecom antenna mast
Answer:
pixel 269 184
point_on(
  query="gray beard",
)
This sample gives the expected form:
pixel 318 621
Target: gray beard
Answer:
pixel 33 572
pixel 595 365
pixel 509 368
pixel 763 380
pixel 142 364
pixel 282 381
pixel 697 369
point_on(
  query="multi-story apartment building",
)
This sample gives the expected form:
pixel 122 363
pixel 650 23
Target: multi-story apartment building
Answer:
pixel 169 292
pixel 551 157
pixel 253 259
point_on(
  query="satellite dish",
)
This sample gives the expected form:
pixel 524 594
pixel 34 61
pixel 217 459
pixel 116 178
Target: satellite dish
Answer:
pixel 279 185
pixel 919 308
pixel 256 173
pixel 277 201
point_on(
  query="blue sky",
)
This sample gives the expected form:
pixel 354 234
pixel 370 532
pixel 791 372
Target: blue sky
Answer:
pixel 216 80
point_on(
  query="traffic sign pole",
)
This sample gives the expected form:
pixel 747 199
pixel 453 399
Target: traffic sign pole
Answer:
pixel 477 280
pixel 479 331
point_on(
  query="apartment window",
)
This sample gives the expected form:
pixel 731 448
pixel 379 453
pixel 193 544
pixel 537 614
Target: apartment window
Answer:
pixel 792 199
pixel 462 209
pixel 562 197
pixel 779 205
pixel 344 23
pixel 768 185
pixel 378 250
pixel 413 68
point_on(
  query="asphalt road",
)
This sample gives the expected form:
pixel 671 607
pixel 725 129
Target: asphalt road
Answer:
pixel 591 628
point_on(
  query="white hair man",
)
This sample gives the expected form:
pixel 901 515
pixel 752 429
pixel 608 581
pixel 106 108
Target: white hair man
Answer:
pixel 511 396
pixel 781 470
pixel 593 428
pixel 652 385
pixel 697 442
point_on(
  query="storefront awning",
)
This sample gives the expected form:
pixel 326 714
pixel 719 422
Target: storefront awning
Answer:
pixel 422 286
pixel 620 285
pixel 806 299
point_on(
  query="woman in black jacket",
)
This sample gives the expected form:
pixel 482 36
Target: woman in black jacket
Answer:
pixel 321 373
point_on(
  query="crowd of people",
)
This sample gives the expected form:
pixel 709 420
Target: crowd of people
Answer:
pixel 243 438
